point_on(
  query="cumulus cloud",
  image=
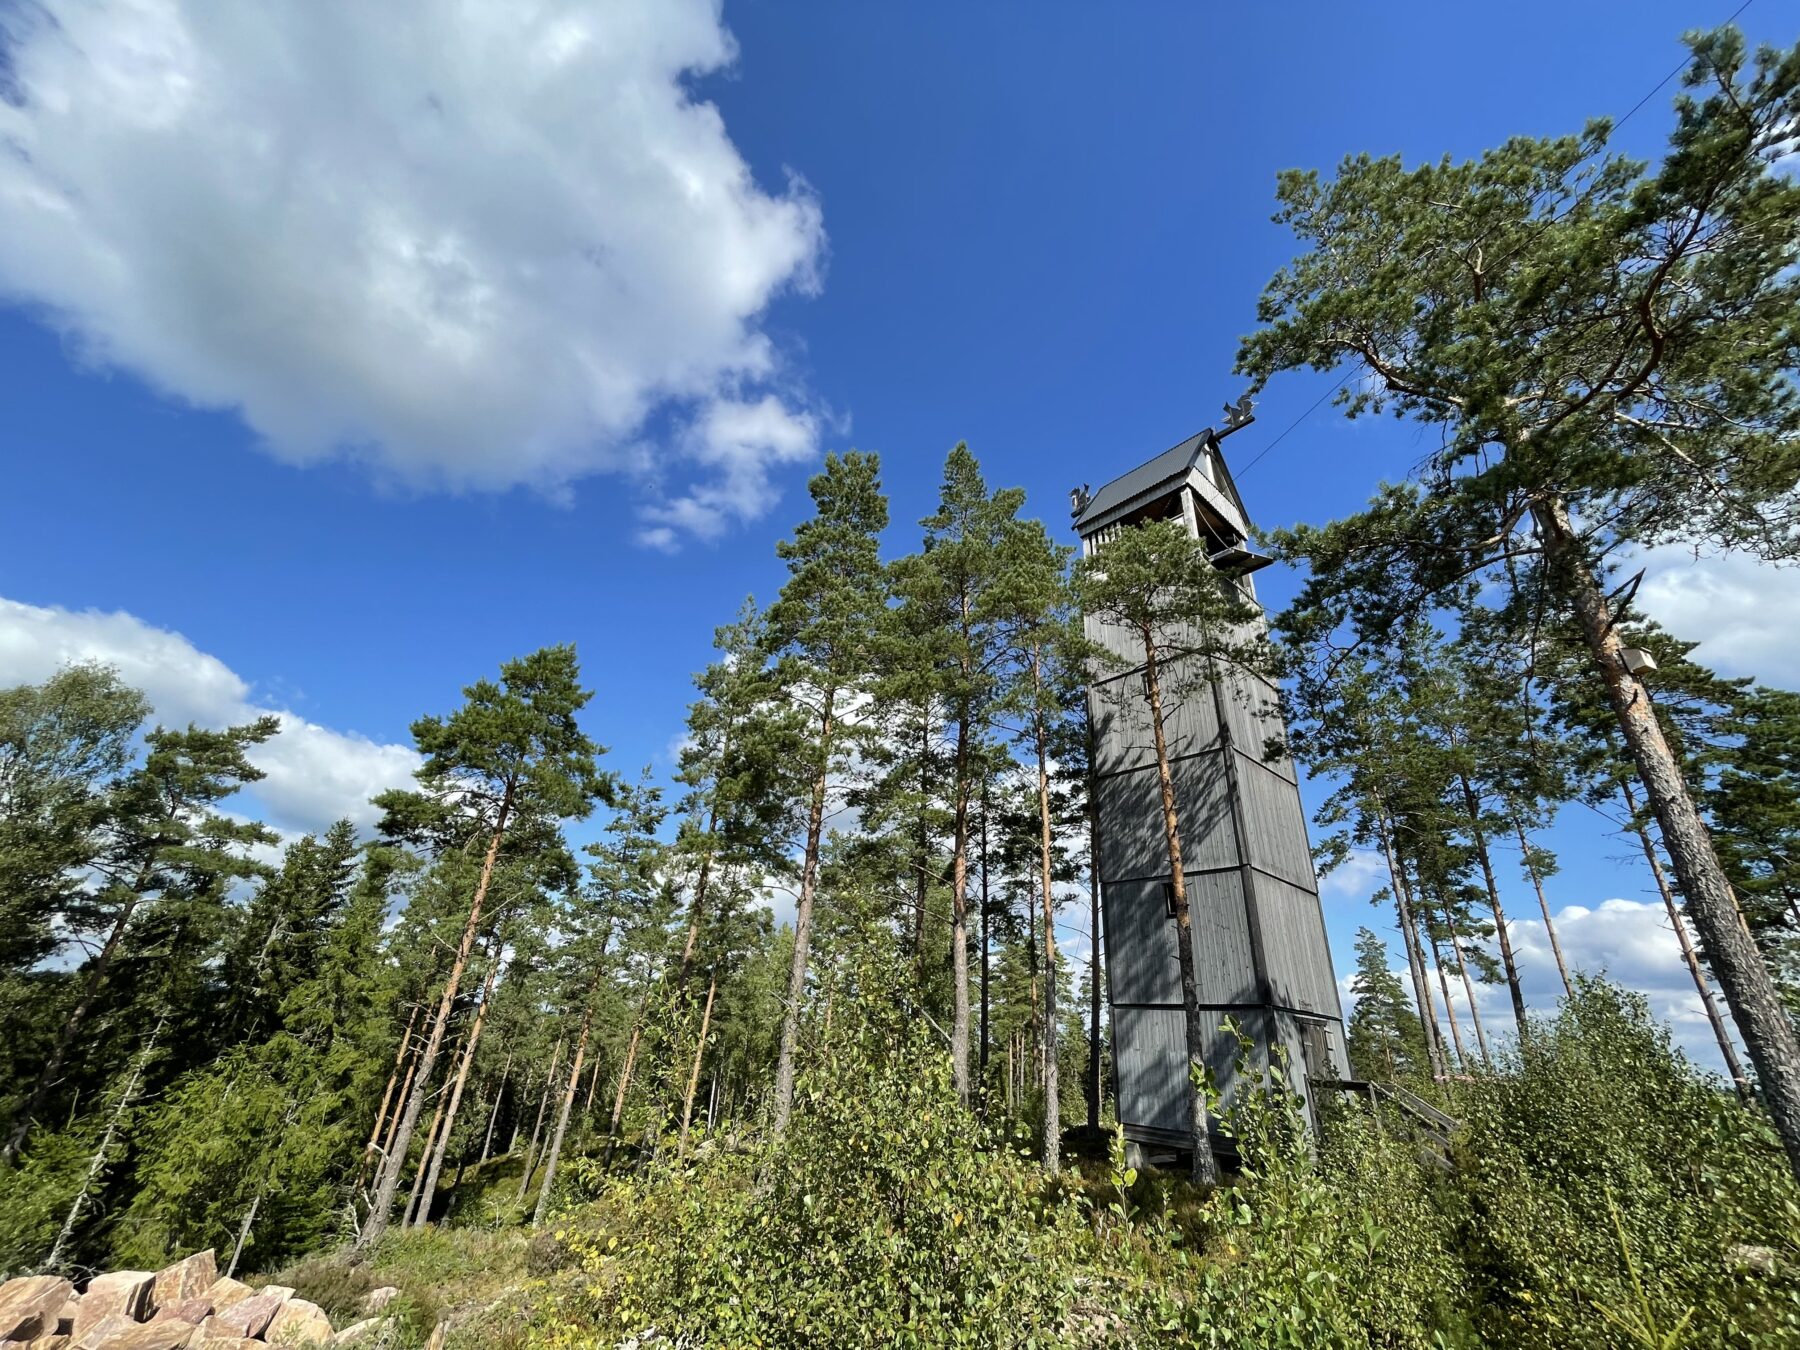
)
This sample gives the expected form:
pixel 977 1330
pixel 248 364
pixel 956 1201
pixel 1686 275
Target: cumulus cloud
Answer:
pixel 1742 612
pixel 1359 875
pixel 473 244
pixel 315 774
pixel 1630 942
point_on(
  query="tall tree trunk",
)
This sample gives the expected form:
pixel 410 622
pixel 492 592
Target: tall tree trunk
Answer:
pixel 809 876
pixel 562 1122
pixel 431 1139
pixel 97 1164
pixel 1755 1004
pixel 987 955
pixel 1094 962
pixel 387 1097
pixel 1472 804
pixel 959 918
pixel 376 1224
pixel 922 846
pixel 1415 959
pixel 531 1150
pixel 53 1067
pixel 243 1235
pixel 1537 882
pixel 412 1072
pixel 587 1107
pixel 1437 959
pixel 487 1139
pixel 1205 1170
pixel 1727 1050
pixel 1462 969
pixel 1052 1068
pixel 687 1102
pixel 696 913
pixel 456 1092
pixel 618 1110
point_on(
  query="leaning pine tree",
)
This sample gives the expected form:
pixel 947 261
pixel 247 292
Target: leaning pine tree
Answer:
pixel 1608 354
pixel 1188 622
pixel 512 756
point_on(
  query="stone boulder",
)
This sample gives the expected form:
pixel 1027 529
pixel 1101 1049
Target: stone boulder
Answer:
pixel 29 1306
pixel 298 1322
pixel 376 1300
pixel 165 1335
pixel 185 1279
pixel 279 1290
pixel 91 1337
pixel 226 1292
pixel 193 1311
pixel 250 1317
pixel 365 1332
pixel 209 1335
pixel 121 1293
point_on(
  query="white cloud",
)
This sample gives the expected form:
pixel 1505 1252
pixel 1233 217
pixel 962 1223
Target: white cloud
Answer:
pixel 1742 612
pixel 1629 942
pixel 472 243
pixel 315 774
pixel 1359 875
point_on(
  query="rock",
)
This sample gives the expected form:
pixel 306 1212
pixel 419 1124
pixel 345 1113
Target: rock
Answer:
pixel 376 1300
pixel 165 1335
pixel 361 1333
pixel 29 1305
pixel 1757 1260
pixel 99 1331
pixel 252 1316
pixel 65 1316
pixel 193 1311
pixel 54 1341
pixel 123 1293
pixel 279 1290
pixel 226 1292
pixel 436 1340
pixel 185 1279
pixel 210 1335
pixel 298 1322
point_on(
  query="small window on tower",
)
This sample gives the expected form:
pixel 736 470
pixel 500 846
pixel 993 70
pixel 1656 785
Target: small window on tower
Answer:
pixel 1169 897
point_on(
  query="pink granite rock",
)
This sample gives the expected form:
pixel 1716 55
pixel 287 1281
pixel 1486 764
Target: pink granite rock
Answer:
pixel 29 1305
pixel 298 1322
pixel 122 1293
pixel 193 1311
pixel 226 1292
pixel 252 1316
pixel 185 1279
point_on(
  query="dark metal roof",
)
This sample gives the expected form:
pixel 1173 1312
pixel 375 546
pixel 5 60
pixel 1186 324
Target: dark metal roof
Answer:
pixel 1170 465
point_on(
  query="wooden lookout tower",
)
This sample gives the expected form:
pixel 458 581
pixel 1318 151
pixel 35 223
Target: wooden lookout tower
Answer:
pixel 1259 936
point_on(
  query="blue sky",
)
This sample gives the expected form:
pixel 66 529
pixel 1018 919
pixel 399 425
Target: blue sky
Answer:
pixel 364 349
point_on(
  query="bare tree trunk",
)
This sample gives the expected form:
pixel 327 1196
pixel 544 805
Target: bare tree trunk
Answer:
pixel 388 1096
pixel 959 918
pixel 1094 962
pixel 809 876
pixel 687 1103
pixel 431 1138
pixel 587 1107
pixel 97 1164
pixel 237 1248
pixel 487 1140
pixel 1052 1068
pixel 1472 804
pixel 456 1093
pixel 1537 882
pixel 1415 959
pixel 1462 968
pixel 922 847
pixel 562 1122
pixel 531 1151
pixel 618 1111
pixel 986 954
pixel 1205 1170
pixel 376 1224
pixel 1437 959
pixel 1727 1050
pixel 1755 1004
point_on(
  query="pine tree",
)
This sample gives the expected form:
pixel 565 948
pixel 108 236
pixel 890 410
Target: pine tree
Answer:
pixel 511 758
pixel 1606 353
pixel 821 634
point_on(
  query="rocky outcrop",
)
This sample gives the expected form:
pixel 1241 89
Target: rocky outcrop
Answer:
pixel 186 1306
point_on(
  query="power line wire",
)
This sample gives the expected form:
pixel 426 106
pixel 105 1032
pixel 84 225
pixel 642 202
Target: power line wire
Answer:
pixel 1657 89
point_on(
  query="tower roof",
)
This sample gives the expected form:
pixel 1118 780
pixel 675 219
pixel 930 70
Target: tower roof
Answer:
pixel 1164 473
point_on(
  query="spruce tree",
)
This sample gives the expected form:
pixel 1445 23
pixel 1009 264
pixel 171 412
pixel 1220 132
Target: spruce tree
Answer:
pixel 1387 1040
